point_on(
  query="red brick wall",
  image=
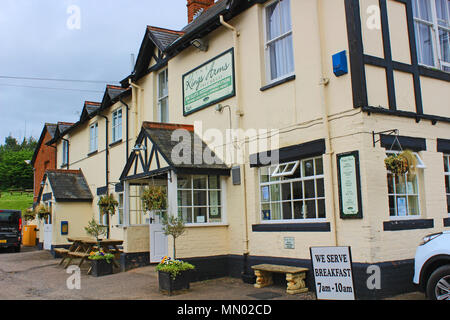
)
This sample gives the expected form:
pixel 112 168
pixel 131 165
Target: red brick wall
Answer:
pixel 194 5
pixel 45 159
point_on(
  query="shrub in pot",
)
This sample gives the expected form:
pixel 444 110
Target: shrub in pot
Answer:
pixel 101 263
pixel 174 275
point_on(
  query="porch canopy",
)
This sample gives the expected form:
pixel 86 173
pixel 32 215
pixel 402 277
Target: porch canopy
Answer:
pixel 67 186
pixel 164 147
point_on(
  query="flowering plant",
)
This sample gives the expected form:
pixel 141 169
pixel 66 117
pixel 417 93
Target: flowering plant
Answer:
pixel 154 198
pixel 174 267
pixel 108 204
pixel 100 255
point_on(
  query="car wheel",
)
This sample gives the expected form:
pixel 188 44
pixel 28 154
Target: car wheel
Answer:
pixel 438 286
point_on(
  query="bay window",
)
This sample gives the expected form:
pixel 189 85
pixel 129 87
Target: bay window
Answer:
pixel 403 191
pixel 200 199
pixel 293 190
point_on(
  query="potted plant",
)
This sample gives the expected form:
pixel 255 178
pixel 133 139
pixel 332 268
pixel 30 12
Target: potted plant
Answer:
pixel 173 275
pixel 42 211
pixel 175 227
pixel 95 230
pixel 101 263
pixel 154 198
pixel 401 163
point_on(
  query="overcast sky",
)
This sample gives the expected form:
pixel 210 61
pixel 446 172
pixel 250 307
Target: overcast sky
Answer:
pixel 69 39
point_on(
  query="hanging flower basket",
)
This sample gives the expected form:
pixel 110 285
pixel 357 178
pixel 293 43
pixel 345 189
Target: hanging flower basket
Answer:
pixel 108 204
pixel 402 163
pixel 42 211
pixel 154 198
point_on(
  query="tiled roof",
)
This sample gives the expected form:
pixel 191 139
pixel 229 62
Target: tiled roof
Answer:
pixel 164 37
pixel 161 135
pixel 51 129
pixel 63 126
pixel 69 185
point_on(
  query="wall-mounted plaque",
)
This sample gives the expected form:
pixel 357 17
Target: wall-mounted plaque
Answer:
pixel 349 185
pixel 209 83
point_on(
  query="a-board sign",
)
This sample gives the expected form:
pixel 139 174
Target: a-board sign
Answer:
pixel 332 270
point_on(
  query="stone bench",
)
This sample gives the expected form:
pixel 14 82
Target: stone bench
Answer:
pixel 295 276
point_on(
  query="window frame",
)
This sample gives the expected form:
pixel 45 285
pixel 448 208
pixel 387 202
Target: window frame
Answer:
pixel 447 173
pixel 116 126
pixel 267 43
pixel 165 97
pixel 65 152
pixel 120 207
pixel 93 129
pixel 301 179
pixel 208 205
pixel 408 216
pixel 434 27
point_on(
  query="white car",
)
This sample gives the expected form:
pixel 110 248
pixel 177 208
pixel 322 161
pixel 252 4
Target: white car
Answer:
pixel 432 266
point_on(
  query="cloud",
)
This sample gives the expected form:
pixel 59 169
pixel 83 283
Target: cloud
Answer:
pixel 37 43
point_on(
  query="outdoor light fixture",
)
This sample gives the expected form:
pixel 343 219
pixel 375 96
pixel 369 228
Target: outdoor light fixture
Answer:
pixel 138 148
pixel 200 44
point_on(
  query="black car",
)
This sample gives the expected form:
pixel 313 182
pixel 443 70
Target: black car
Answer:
pixel 10 229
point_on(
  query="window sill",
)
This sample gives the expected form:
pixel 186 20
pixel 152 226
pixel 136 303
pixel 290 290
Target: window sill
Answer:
pixel 292 227
pixel 408 224
pixel 277 83
pixel 433 72
pixel 447 222
pixel 90 154
pixel 197 225
pixel 115 143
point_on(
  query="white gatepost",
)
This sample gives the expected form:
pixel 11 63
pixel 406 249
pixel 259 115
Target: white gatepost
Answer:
pixel 126 203
pixel 172 194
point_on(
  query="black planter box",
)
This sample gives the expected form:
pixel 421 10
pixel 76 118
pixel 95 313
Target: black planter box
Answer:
pixel 101 268
pixel 169 285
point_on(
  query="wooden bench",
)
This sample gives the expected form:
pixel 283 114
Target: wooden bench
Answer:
pixel 295 277
pixel 62 252
pixel 73 255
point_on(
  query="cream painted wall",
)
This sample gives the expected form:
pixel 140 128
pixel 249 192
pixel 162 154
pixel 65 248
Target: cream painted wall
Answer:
pixel 294 108
pixel 93 166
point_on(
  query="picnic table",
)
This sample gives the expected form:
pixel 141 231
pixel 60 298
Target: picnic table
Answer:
pixel 82 246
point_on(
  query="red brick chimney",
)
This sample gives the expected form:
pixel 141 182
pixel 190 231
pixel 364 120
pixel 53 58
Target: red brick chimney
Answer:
pixel 193 6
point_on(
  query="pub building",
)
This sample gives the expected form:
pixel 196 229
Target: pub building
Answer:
pixel 325 90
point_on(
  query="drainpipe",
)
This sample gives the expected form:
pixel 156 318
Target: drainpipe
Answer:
pixel 326 126
pixel 106 163
pixel 126 128
pixel 239 114
pixel 138 105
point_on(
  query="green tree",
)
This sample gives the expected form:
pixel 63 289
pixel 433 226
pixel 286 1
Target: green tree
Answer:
pixel 14 172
